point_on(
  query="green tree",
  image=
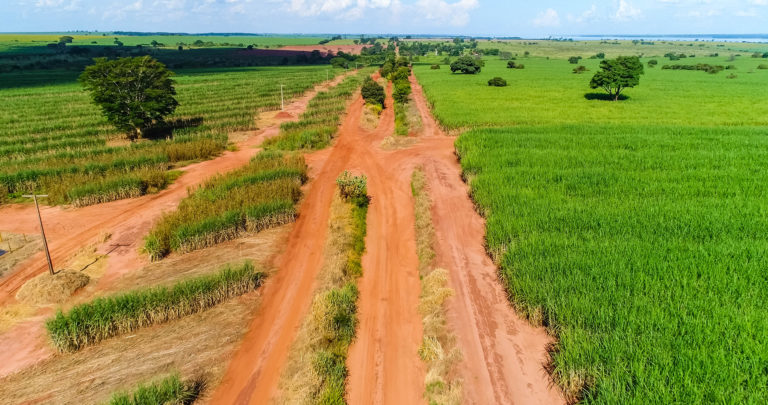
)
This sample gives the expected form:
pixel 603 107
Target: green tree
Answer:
pixel 339 62
pixel 66 39
pixel 617 74
pixel 466 65
pixel 372 92
pixel 133 93
pixel 574 60
pixel 401 91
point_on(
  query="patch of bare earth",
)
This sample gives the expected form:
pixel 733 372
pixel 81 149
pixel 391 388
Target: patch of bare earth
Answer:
pixel 199 344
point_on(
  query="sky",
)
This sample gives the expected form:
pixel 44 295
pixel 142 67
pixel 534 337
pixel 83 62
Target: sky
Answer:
pixel 524 18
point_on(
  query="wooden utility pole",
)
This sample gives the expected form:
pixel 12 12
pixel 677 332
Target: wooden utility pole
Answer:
pixel 42 231
pixel 282 102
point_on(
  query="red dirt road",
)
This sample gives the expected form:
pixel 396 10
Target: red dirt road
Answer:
pixel 389 333
pixel 70 229
pixel 503 355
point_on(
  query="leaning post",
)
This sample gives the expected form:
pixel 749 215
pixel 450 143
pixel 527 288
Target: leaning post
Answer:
pixel 42 231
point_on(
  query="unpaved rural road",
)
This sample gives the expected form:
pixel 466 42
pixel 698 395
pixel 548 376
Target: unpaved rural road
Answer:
pixel 504 356
pixel 70 229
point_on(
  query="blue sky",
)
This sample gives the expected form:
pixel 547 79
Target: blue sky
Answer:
pixel 469 17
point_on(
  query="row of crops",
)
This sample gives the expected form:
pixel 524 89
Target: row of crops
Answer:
pixel 635 231
pixel 53 140
pixel 318 124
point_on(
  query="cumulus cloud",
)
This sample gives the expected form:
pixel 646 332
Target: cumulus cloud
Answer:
pixel 456 13
pixel 626 11
pixel 547 18
pixel 587 15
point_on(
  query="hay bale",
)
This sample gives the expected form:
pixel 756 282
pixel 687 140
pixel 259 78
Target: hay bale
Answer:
pixel 47 289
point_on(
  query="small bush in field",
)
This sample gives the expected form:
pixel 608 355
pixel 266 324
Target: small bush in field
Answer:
pixel 435 67
pixel 497 82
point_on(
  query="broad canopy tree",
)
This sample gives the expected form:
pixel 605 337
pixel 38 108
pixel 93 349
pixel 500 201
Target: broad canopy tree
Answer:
pixel 467 65
pixel 133 93
pixel 617 74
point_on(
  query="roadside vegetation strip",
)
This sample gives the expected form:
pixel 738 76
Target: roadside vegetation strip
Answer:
pixel 642 248
pixel 169 390
pixel 53 140
pixel 319 123
pixel 103 318
pixel 398 71
pixel 438 348
pixel 248 200
pixel 316 371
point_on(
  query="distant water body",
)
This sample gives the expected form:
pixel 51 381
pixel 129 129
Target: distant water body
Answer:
pixel 712 37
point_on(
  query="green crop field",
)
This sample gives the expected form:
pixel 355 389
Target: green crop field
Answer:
pixel 28 42
pixel 54 140
pixel 637 230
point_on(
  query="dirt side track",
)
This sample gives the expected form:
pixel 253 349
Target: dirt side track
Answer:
pixel 504 356
pixel 70 229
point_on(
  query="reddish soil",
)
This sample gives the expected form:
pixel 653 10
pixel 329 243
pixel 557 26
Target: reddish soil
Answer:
pixel 324 49
pixel 503 355
pixel 383 361
pixel 70 229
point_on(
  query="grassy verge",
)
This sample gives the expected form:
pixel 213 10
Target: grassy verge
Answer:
pixel 258 196
pixel 88 323
pixel 316 371
pixel 319 123
pixel 169 390
pixel 438 348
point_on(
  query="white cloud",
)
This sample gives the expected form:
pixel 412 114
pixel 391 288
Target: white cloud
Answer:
pixel 587 15
pixel 547 18
pixel 456 13
pixel 759 2
pixel 65 5
pixel 626 12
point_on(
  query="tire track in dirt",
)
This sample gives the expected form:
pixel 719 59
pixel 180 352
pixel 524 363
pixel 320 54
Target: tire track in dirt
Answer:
pixel 503 355
pixel 254 372
pixel 70 229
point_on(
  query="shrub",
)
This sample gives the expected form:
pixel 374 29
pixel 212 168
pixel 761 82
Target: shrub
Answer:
pixel 466 65
pixel 352 187
pixel 169 390
pixel 653 63
pixel 574 60
pixel 401 91
pixel 435 67
pixel 102 318
pixel 512 65
pixel 372 92
pixel 339 62
pixel 762 66
pixel 497 82
pixel 580 69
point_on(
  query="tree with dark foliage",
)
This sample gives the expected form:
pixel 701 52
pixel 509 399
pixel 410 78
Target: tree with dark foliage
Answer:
pixel 466 64
pixel 618 74
pixel 133 93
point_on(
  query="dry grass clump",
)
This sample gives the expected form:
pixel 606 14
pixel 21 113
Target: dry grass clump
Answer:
pixel 102 318
pixel 52 289
pixel 438 348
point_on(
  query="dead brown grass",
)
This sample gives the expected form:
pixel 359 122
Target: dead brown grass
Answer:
pixel 17 248
pixel 438 348
pixel 413 118
pixel 52 289
pixel 299 382
pixel 200 344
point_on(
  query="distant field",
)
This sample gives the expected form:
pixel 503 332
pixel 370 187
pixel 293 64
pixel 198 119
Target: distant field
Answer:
pixel 635 230
pixel 547 91
pixel 20 42
pixel 53 140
